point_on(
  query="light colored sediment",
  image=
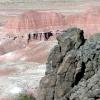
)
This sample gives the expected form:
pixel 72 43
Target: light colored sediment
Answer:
pixel 26 77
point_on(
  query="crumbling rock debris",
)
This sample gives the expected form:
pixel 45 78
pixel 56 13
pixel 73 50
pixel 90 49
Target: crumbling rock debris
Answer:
pixel 73 68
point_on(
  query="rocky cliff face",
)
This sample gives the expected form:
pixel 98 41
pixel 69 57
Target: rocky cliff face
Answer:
pixel 73 68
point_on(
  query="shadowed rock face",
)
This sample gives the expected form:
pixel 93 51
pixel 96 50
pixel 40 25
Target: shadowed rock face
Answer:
pixel 73 68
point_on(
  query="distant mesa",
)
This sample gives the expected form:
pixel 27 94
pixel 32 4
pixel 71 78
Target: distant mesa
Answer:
pixel 45 21
pixel 89 20
pixel 34 21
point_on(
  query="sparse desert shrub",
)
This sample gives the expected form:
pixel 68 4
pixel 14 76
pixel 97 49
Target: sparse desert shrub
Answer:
pixel 26 97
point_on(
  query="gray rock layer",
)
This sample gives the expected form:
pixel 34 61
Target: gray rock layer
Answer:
pixel 73 68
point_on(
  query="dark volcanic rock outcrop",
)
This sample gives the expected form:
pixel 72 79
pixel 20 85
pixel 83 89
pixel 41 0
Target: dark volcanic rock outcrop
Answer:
pixel 73 68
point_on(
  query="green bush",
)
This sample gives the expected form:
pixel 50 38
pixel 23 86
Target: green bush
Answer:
pixel 26 97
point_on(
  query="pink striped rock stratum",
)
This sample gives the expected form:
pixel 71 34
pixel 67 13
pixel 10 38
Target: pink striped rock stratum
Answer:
pixel 34 21
pixel 44 21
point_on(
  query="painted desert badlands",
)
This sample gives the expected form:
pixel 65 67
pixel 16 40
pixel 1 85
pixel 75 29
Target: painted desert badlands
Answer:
pixel 28 31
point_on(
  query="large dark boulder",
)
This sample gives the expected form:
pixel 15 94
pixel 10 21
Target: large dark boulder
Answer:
pixel 73 68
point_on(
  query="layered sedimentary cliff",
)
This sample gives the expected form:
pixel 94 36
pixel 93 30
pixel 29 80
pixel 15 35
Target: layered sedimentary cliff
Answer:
pixel 89 20
pixel 38 25
pixel 32 21
pixel 45 21
pixel 73 68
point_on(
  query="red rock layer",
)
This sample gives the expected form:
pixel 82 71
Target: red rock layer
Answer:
pixel 34 21
pixel 89 21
